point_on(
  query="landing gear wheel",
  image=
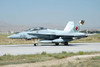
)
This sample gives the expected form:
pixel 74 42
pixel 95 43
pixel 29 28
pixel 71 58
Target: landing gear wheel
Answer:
pixel 66 43
pixel 35 44
pixel 56 44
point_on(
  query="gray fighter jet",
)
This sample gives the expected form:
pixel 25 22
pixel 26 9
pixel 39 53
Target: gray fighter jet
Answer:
pixel 44 35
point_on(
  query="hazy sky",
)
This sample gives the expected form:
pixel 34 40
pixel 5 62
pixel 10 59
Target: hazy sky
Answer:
pixel 50 12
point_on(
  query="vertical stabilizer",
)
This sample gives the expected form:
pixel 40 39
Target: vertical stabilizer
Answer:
pixel 69 27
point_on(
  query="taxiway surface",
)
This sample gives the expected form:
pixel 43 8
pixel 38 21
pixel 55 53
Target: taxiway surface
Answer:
pixel 31 49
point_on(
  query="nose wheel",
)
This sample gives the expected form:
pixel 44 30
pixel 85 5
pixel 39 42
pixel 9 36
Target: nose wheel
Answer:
pixel 35 42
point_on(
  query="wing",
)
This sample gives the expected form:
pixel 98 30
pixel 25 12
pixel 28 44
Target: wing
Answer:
pixel 43 35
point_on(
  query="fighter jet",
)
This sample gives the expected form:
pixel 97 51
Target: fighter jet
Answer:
pixel 44 35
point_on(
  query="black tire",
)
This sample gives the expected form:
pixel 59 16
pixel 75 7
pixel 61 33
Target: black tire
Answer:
pixel 66 43
pixel 35 44
pixel 56 44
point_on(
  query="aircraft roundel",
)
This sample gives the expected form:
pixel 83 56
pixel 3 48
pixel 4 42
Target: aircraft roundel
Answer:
pixel 76 28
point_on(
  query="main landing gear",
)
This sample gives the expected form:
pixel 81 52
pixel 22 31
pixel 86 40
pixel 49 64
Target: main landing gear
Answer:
pixel 56 44
pixel 65 43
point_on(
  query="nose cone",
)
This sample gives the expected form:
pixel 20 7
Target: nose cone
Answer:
pixel 14 36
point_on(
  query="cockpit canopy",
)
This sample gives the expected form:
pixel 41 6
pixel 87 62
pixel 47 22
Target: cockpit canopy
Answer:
pixel 36 28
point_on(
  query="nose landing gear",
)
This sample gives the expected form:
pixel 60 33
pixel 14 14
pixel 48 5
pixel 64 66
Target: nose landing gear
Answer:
pixel 35 42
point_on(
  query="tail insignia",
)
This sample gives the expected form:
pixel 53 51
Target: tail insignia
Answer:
pixel 81 22
pixel 76 28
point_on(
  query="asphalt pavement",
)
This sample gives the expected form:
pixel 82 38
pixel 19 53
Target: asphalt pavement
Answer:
pixel 49 48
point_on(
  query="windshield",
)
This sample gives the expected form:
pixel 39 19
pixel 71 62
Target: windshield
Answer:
pixel 36 28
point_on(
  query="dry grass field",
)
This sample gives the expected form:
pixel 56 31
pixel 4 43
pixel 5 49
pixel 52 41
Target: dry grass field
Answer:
pixel 80 62
pixel 33 58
